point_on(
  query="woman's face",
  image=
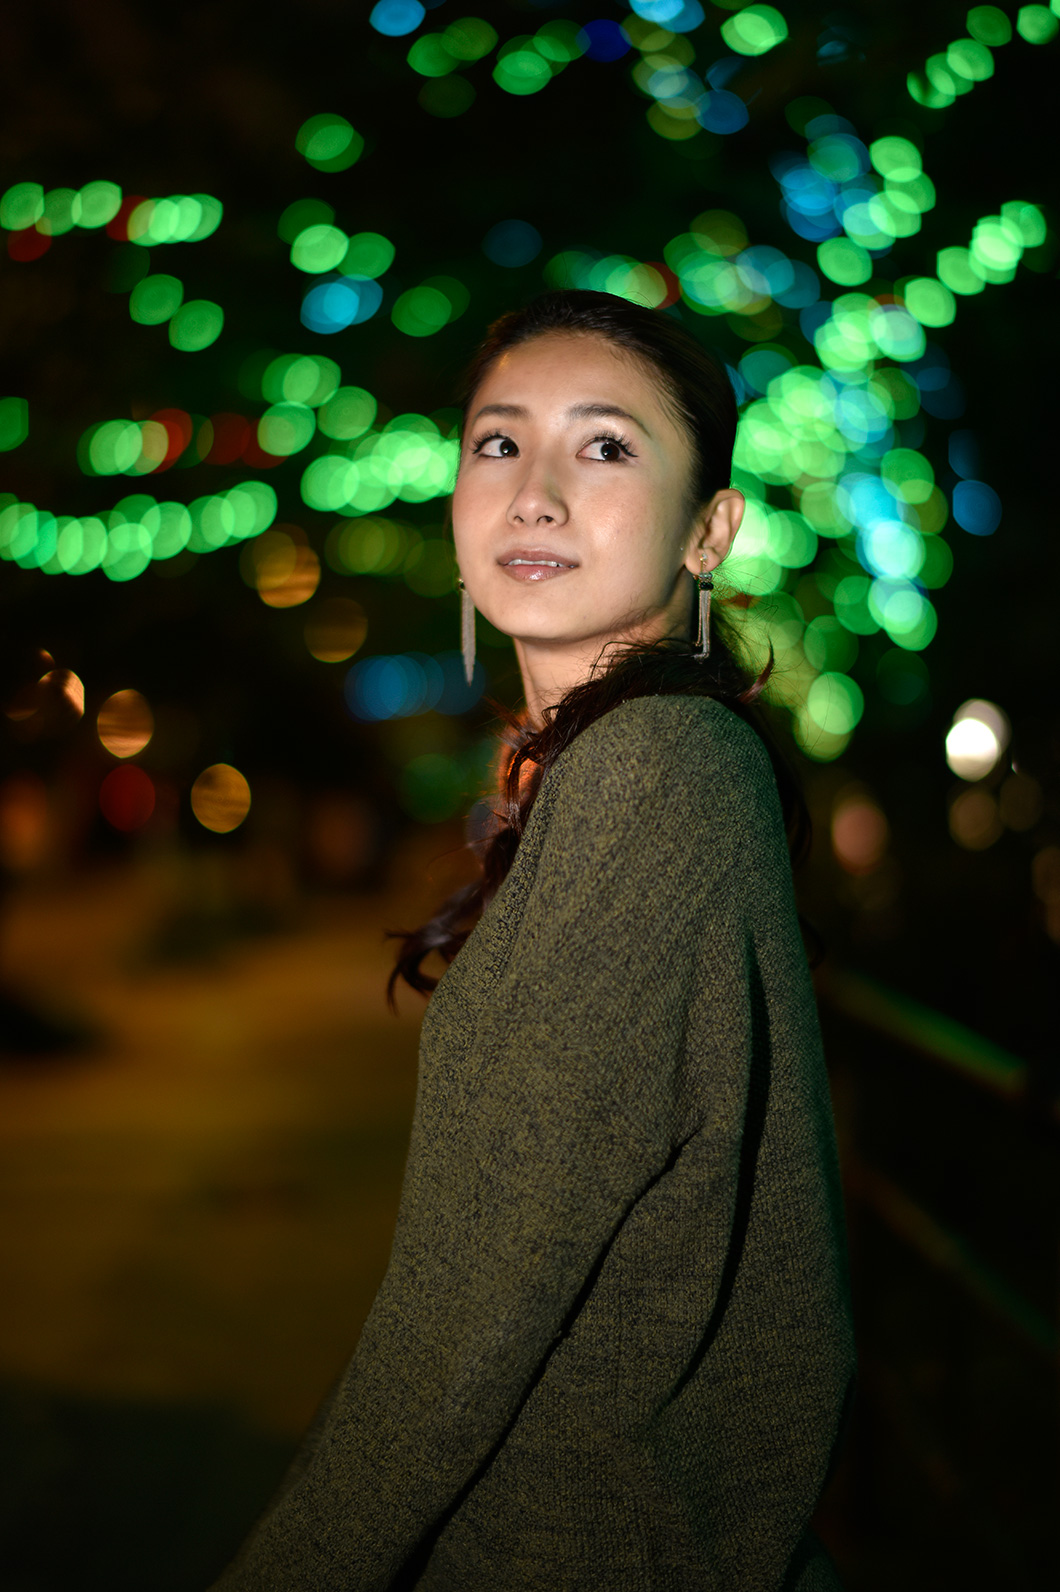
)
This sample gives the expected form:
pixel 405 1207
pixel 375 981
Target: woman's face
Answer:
pixel 570 512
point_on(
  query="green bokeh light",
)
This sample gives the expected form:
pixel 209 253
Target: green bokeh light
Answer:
pixel 301 214
pixel 319 248
pixel 469 38
pixel 348 414
pixel 329 142
pixel 851 602
pixel 110 448
pixel 907 474
pixel 1027 220
pixel 307 379
pixel 955 269
pixel 929 300
pixel 169 526
pixel 183 218
pixel 968 58
pixel 434 786
pixel 100 203
pixel 14 423
pixel 286 428
pixel 989 25
pixel 904 612
pixel 430 57
pixel 835 703
pixel 937 567
pixel 521 69
pixel 829 646
pixel 421 311
pixel 430 568
pixel 754 30
pixel 62 212
pixel 196 325
pixel 369 546
pixel 155 299
pixel 560 42
pixel 895 157
pixel 22 206
pixel 1037 24
pixel 844 261
pixel 368 254
pixel 902 677
pixel 447 97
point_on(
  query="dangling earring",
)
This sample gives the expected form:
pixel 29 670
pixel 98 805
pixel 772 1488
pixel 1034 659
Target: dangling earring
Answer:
pixel 705 582
pixel 467 631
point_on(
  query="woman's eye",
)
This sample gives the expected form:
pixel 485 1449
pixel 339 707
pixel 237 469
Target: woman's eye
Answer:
pixel 497 448
pixel 606 450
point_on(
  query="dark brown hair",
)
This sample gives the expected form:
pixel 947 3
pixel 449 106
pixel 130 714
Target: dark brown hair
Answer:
pixel 700 397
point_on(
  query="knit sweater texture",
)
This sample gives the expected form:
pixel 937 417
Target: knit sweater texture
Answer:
pixel 613 1345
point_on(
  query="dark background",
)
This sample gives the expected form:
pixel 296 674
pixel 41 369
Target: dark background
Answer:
pixel 939 985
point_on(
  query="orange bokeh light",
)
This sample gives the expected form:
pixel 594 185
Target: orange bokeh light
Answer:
pixel 125 723
pixel 860 833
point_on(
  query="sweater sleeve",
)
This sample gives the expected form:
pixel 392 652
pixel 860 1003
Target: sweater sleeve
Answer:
pixel 565 1116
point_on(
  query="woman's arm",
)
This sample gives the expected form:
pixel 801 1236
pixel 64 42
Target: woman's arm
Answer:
pixel 512 1199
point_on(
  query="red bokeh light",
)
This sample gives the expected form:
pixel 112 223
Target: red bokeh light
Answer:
pixel 254 454
pixel 127 797
pixel 118 227
pixel 673 285
pixel 179 430
pixel 231 436
pixel 28 244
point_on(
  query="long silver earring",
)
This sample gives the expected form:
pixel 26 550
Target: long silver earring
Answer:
pixel 705 582
pixel 467 631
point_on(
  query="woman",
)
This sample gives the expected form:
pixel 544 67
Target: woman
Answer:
pixel 612 1348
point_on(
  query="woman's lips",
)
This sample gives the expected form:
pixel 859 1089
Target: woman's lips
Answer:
pixel 534 563
pixel 530 571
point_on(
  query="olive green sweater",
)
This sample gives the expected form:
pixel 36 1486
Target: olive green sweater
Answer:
pixel 612 1348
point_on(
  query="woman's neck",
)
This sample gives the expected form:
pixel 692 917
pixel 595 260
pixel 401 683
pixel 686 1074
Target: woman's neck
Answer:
pixel 551 669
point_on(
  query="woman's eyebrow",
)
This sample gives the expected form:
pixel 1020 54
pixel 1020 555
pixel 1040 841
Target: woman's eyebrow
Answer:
pixel 604 412
pixel 575 412
pixel 507 411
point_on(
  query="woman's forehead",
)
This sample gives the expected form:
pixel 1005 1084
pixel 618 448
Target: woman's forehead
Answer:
pixel 557 365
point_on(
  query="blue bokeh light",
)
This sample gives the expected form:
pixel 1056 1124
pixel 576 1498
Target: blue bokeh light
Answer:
pixel 724 70
pixel 941 394
pixel 889 548
pixel 963 454
pixel 805 288
pixel 976 508
pixel 764 268
pixel 864 500
pixel 343 301
pixel 722 112
pixel 512 243
pixel 604 40
pixel 680 16
pixel 758 368
pixel 397 17
pixel 813 317
pixel 393 687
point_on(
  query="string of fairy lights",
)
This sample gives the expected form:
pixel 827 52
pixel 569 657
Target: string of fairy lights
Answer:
pixel 845 531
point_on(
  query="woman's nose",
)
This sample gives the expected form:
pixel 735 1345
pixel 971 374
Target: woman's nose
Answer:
pixel 538 501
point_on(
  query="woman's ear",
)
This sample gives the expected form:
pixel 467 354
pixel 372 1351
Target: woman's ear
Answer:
pixel 714 530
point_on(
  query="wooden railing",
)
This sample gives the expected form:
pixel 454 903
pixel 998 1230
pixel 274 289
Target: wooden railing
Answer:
pixel 951 1169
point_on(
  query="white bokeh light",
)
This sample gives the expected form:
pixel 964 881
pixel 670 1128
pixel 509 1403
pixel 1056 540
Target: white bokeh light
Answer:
pixel 977 737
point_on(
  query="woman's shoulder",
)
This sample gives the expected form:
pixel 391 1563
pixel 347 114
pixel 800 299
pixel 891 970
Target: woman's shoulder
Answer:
pixel 661 768
pixel 669 738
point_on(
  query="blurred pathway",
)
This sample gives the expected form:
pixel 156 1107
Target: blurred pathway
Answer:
pixel 199 1211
